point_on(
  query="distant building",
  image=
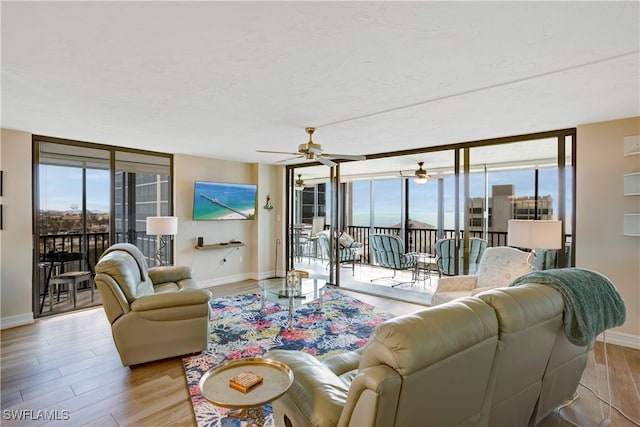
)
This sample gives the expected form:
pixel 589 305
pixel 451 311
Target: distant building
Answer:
pixel 504 205
pixel 150 194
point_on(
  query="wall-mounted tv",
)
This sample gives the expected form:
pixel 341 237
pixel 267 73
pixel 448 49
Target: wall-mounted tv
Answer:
pixel 223 201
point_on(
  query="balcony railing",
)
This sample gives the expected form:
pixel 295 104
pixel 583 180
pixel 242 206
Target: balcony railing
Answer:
pixel 424 239
pixel 97 243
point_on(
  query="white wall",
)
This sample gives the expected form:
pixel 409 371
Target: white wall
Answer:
pixel 253 261
pixel 16 237
pixel 600 205
pixel 271 222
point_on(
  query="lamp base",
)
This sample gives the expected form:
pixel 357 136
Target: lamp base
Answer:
pixel 161 247
pixel 531 258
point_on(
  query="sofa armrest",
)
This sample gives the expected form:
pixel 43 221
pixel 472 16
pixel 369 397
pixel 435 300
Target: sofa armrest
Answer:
pixel 171 299
pixel 316 393
pixel 457 283
pixel 169 273
pixel 342 363
pixel 374 387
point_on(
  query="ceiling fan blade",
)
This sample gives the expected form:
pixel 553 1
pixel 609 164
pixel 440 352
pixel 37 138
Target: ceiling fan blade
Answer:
pixel 325 161
pixel 277 152
pixel 289 159
pixel 345 156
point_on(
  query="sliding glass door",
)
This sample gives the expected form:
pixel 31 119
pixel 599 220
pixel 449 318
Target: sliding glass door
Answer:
pixel 86 197
pixel 72 223
pixel 533 184
pixel 472 191
pixel 142 189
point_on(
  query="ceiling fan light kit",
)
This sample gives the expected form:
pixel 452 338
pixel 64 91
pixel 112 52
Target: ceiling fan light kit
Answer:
pixel 422 177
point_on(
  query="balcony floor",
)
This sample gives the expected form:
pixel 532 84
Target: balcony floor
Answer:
pixel 359 280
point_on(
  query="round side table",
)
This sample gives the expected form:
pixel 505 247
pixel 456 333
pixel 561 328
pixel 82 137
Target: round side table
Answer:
pixel 276 380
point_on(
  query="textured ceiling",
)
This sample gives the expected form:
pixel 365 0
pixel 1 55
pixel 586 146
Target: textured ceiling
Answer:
pixel 223 79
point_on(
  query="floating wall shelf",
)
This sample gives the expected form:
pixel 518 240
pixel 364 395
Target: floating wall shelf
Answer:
pixel 632 184
pixel 631 225
pixel 631 145
pixel 220 246
pixel 631 221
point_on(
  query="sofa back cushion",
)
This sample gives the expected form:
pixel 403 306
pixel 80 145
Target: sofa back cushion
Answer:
pixel 125 264
pixel 435 351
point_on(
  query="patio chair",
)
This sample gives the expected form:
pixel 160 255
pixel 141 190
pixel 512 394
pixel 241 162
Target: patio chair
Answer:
pixel 388 252
pixel 445 250
pixel 349 255
pixel 317 225
pixel 65 281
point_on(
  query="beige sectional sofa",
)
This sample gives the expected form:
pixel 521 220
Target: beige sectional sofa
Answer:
pixel 500 358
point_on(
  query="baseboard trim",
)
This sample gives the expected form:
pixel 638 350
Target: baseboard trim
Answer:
pixel 224 280
pixel 621 339
pixel 19 320
pixel 266 275
pixel 237 278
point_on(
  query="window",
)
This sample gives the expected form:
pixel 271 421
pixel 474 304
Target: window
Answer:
pixel 476 188
pixel 82 205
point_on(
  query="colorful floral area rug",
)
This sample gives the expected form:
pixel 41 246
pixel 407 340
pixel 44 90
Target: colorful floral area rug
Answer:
pixel 239 328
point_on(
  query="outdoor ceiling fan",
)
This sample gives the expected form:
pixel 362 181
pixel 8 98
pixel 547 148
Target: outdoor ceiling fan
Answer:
pixel 421 174
pixel 313 151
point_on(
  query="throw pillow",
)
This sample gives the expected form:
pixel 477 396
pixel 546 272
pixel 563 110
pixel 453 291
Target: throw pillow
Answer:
pixel 345 240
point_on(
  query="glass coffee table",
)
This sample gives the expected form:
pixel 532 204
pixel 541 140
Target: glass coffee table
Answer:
pixel 309 290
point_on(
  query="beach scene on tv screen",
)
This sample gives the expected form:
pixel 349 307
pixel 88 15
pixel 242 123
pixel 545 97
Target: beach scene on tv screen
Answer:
pixel 221 201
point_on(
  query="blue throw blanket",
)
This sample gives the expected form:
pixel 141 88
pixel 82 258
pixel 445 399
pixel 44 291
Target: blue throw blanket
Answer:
pixel 592 303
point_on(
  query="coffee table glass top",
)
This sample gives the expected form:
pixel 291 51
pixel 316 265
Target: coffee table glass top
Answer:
pixel 310 290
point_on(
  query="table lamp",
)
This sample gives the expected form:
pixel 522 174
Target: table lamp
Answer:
pixel 534 234
pixel 162 226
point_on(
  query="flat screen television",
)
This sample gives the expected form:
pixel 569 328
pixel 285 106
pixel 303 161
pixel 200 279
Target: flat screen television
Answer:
pixel 224 201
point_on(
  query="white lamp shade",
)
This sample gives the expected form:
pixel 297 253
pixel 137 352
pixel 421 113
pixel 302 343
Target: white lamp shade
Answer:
pixel 532 234
pixel 162 225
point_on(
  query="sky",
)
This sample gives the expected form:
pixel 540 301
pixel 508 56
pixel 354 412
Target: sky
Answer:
pixel 61 189
pixel 423 198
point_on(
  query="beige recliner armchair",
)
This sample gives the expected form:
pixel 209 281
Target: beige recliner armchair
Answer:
pixel 499 266
pixel 155 313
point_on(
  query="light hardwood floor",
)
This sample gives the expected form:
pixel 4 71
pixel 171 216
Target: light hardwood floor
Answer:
pixel 68 365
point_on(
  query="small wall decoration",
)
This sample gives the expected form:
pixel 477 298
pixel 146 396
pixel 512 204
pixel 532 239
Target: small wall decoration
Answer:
pixel 268 205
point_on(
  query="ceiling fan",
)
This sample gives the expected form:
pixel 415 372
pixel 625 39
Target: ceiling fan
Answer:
pixel 313 151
